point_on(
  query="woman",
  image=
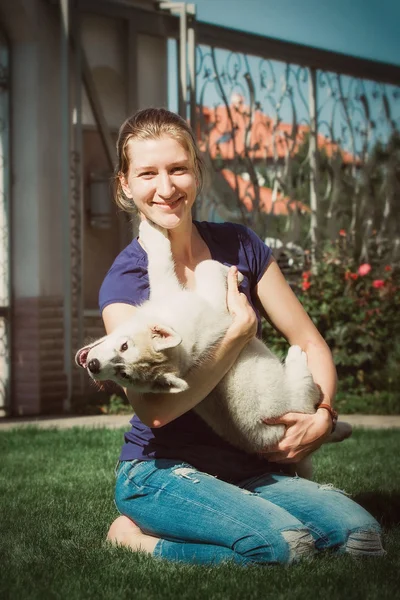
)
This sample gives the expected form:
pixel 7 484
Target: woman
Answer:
pixel 248 510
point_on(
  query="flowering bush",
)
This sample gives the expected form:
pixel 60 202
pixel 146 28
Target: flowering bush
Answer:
pixel 357 310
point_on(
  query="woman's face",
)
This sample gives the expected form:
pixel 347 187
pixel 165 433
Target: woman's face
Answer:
pixel 161 181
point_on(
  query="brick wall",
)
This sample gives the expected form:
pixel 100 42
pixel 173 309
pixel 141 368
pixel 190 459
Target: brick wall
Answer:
pixel 39 380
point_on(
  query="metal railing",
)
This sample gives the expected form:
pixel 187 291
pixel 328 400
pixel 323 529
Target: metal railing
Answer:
pixel 299 151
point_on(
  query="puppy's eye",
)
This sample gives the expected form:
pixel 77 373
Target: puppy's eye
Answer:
pixel 124 347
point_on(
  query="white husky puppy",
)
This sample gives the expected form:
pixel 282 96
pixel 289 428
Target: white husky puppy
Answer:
pixel 177 329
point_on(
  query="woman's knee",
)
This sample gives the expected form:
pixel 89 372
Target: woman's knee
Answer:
pixel 364 542
pixel 283 547
pixel 355 532
pixel 345 525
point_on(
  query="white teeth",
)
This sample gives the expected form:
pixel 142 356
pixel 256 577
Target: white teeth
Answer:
pixel 167 203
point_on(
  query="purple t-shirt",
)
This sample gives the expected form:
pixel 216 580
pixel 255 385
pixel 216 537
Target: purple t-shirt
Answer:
pixel 188 438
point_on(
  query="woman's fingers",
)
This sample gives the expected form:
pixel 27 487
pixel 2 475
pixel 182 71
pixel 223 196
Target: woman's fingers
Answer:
pixel 304 434
pixel 244 318
pixel 233 281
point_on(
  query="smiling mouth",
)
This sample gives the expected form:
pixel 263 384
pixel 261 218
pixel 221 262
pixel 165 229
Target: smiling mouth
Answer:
pixel 168 204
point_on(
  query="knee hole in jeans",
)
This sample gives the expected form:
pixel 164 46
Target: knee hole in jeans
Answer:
pixel 364 542
pixel 300 543
pixel 282 547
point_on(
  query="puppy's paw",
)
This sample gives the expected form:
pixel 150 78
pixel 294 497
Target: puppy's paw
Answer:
pixel 152 236
pixel 240 277
pixel 296 355
pixel 225 269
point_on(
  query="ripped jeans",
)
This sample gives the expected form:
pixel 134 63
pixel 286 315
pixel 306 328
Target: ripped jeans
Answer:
pixel 274 518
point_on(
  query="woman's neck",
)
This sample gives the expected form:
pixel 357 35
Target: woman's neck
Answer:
pixel 186 244
pixel 182 242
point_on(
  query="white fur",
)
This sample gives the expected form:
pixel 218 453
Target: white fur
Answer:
pixel 179 328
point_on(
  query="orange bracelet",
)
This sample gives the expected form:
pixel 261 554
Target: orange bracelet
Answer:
pixel 332 412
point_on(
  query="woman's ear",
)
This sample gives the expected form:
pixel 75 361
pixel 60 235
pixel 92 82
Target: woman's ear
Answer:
pixel 124 185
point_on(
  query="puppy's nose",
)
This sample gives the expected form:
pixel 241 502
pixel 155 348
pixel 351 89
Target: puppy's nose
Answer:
pixel 94 366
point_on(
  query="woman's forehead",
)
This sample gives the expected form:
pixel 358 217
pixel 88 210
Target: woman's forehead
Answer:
pixel 160 150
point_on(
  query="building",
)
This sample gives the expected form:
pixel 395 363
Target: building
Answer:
pixel 57 168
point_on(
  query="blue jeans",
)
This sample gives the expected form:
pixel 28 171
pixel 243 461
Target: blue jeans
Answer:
pixel 274 518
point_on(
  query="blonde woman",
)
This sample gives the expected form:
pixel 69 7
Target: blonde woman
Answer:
pixel 185 494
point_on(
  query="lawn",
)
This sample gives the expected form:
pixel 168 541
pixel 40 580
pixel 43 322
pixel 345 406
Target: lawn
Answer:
pixel 57 503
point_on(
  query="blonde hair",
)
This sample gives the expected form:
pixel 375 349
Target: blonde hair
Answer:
pixel 150 124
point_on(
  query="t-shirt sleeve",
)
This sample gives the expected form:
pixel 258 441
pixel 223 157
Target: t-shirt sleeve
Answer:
pixel 126 282
pixel 257 253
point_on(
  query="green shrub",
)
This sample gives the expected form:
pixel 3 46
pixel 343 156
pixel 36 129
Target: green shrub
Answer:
pixel 117 405
pixel 376 403
pixel 356 309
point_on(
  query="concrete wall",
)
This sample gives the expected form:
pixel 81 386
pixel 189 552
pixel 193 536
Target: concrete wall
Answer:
pixel 36 161
pixel 152 71
pixel 104 40
pixel 38 378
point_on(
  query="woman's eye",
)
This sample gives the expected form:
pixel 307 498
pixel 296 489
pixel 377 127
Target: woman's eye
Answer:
pixel 147 174
pixel 179 170
pixel 124 347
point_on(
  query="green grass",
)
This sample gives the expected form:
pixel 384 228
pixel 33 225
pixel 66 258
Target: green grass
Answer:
pixel 57 503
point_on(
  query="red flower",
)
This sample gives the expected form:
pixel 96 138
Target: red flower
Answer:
pixel 306 275
pixel 342 232
pixel 373 311
pixel 354 276
pixel 364 269
pixel 378 283
pixel 306 285
pixel 347 275
pixel 388 268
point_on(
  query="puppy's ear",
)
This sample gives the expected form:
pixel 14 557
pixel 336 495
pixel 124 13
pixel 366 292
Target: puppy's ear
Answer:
pixel 163 337
pixel 81 355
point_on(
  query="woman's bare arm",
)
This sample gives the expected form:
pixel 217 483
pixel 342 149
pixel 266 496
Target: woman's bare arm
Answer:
pixel 305 433
pixel 156 410
pixel 280 305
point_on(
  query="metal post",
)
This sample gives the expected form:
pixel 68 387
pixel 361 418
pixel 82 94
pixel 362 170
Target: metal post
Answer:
pixel 132 68
pixel 78 198
pixel 65 193
pixel 183 61
pixel 6 300
pixel 313 161
pixel 180 9
pixel 191 49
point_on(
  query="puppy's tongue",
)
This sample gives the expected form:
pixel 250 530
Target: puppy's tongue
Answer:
pixel 81 357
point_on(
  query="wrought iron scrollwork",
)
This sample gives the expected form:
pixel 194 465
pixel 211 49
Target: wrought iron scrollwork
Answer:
pixel 256 120
pixel 360 120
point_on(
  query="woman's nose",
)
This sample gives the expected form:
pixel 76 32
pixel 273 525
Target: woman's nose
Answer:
pixel 165 187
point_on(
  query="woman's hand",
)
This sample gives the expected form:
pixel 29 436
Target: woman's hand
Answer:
pixel 244 324
pixel 304 434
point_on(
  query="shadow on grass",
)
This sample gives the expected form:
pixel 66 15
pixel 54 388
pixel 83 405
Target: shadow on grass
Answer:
pixel 384 506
